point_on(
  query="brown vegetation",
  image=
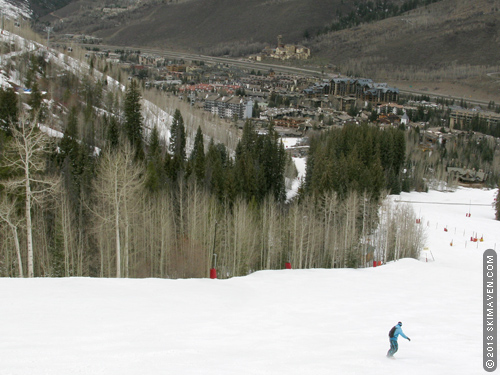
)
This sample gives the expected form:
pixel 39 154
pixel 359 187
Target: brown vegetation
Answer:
pixel 197 25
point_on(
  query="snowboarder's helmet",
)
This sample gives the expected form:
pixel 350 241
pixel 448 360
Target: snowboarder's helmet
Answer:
pixel 400 323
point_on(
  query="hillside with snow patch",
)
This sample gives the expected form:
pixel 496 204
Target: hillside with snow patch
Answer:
pixel 16 9
pixel 152 114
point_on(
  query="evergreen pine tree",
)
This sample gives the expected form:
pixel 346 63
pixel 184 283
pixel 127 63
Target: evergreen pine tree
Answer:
pixel 9 109
pixel 152 182
pixel 248 183
pixel 273 160
pixel 197 158
pixel 69 143
pixel 35 100
pixel 177 146
pixel 154 168
pixel 248 138
pixel 399 150
pixel 178 136
pixel 214 169
pixel 113 133
pixel 133 118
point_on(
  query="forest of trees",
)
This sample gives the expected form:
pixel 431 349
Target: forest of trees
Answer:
pixel 357 157
pixel 118 215
pixel 369 11
pixel 113 198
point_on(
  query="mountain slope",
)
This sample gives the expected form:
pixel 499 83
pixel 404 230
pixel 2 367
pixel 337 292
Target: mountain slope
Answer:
pixel 291 322
pixel 447 48
pixel 198 24
pixel 443 33
pixel 14 9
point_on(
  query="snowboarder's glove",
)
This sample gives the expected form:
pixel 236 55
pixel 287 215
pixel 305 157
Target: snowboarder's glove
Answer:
pixel 409 339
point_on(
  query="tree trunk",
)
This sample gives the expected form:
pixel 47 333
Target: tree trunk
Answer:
pixel 117 231
pixel 29 229
pixel 18 249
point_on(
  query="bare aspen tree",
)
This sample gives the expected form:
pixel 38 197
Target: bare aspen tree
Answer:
pixel 196 215
pixel 214 215
pixel 149 237
pixel 8 215
pixel 271 233
pixel 310 244
pixel 294 220
pixel 351 209
pixel 244 241
pixel 117 185
pixel 302 216
pixel 383 232
pixel 303 233
pixel 166 232
pixel 222 230
pixel 69 234
pixel 330 208
pixel 369 220
pixel 410 236
pixel 26 155
pixel 398 235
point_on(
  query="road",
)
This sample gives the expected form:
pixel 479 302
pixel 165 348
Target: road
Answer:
pixel 448 97
pixel 242 63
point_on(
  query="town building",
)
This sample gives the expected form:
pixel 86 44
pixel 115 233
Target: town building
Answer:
pixel 285 51
pixel 467 176
pixel 228 106
pixel 460 116
pixel 343 92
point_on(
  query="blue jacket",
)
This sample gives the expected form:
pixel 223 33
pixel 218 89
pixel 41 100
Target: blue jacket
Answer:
pixel 397 332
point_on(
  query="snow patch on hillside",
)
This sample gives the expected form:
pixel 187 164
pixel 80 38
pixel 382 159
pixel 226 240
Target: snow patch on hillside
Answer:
pixel 14 10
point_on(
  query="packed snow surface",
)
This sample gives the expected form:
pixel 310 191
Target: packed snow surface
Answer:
pixel 317 321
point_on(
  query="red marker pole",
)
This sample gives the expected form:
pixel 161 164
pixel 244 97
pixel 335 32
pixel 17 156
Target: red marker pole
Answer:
pixel 213 270
pixel 213 273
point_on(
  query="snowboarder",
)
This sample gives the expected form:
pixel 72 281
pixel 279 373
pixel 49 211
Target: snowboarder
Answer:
pixel 393 339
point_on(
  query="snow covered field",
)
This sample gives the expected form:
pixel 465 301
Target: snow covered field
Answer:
pixel 273 322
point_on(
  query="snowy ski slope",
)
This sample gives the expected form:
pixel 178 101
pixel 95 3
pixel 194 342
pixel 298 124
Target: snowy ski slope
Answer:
pixel 272 322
